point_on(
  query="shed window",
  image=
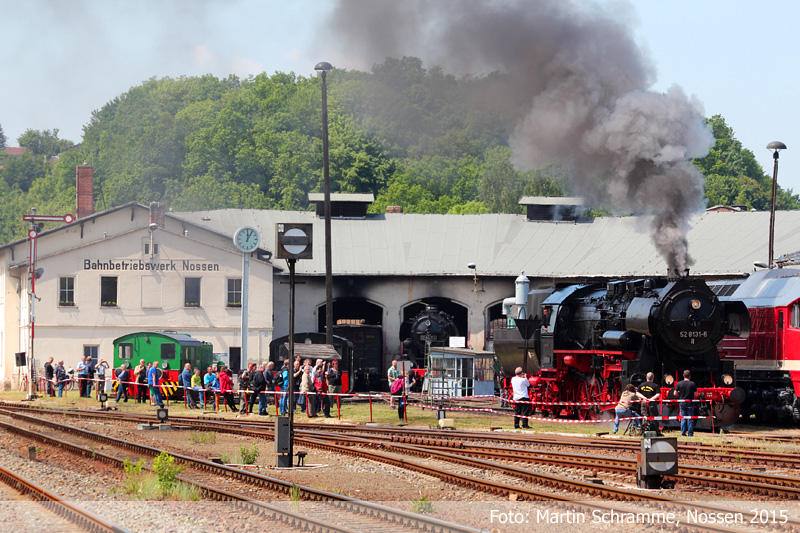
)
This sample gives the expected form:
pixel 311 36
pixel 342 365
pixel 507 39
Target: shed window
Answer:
pixel 234 292
pixel 191 292
pixel 66 291
pixel 108 291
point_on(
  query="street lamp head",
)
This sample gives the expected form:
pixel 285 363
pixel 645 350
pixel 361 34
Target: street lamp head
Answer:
pixel 775 147
pixel 325 66
pixel 471 265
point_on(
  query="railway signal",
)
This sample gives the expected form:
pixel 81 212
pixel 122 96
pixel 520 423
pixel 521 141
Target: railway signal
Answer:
pixel 37 225
pixel 294 241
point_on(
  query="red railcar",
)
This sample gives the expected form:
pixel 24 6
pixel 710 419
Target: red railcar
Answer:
pixel 767 362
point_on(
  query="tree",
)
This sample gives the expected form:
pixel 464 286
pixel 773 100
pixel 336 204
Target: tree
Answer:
pixel 733 176
pixel 44 143
pixel 21 171
pixel 2 138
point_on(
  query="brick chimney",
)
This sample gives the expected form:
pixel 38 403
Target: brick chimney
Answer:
pixel 157 214
pixel 84 185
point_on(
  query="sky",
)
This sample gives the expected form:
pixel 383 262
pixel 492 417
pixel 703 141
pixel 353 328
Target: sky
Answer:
pixel 60 60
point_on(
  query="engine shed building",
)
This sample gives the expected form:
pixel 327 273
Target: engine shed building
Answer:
pixel 125 270
pixel 111 273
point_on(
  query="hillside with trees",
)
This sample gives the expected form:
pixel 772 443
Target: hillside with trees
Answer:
pixel 415 137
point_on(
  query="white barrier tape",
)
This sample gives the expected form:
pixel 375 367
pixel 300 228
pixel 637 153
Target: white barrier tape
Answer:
pixel 557 420
pixel 592 404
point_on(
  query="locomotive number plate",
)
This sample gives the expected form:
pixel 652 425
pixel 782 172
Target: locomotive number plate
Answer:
pixel 693 334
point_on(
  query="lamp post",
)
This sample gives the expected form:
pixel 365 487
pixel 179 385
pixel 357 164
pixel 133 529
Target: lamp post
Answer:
pixel 324 67
pixel 775 147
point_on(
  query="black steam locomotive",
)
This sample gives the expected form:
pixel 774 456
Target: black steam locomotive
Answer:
pixel 430 327
pixel 588 341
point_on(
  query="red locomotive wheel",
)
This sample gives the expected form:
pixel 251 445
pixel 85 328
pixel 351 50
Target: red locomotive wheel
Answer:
pixel 590 392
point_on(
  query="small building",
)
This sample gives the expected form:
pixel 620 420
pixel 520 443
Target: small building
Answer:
pixel 459 372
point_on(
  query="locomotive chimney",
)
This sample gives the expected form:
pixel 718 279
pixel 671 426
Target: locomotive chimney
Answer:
pixel 674 274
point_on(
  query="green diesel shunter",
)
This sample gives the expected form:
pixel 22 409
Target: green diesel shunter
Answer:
pixel 170 350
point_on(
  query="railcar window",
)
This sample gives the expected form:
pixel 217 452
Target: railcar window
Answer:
pixel 126 350
pixel 190 355
pixel 794 317
pixel 167 351
pixel 780 319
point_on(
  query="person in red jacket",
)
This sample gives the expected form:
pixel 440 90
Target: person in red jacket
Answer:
pixel 321 384
pixel 226 388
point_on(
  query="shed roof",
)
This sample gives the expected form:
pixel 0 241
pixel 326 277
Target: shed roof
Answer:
pixel 503 244
pixel 326 352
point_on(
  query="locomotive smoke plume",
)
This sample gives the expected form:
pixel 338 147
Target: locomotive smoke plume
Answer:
pixel 583 81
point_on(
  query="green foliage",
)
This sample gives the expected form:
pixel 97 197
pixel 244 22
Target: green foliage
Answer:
pixel 734 177
pixel 421 505
pixel 412 136
pixel 295 496
pixel 206 437
pixel 249 455
pixel 166 472
pixel 44 143
pixel 134 477
pixel 2 138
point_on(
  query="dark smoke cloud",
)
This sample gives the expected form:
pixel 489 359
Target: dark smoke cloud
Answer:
pixel 584 81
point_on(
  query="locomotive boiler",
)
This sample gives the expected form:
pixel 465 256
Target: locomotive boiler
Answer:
pixel 589 341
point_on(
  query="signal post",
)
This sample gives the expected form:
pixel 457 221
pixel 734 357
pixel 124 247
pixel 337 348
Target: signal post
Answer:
pixel 37 224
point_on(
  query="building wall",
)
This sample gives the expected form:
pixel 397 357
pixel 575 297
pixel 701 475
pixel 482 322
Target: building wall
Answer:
pixel 393 294
pixel 150 289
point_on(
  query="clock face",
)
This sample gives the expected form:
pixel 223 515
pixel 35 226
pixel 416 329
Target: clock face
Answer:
pixel 246 239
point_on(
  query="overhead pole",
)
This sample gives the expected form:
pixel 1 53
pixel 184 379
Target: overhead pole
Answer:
pixel 324 67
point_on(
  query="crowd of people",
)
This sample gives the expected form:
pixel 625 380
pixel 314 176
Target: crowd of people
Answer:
pixel 316 382
pixel 257 384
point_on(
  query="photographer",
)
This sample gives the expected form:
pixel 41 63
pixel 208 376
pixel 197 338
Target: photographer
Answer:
pixel 522 405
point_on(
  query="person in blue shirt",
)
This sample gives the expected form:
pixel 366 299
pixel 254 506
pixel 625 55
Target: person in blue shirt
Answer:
pixel 83 375
pixel 186 381
pixel 211 384
pixel 283 383
pixel 152 382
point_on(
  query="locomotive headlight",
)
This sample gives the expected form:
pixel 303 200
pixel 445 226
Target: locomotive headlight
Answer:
pixel 669 379
pixel 696 304
pixel 727 380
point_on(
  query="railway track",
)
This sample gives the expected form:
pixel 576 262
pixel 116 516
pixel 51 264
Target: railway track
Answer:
pixel 367 515
pixel 748 482
pixel 398 457
pixel 83 519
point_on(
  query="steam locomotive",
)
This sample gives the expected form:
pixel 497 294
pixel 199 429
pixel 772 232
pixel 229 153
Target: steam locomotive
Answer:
pixel 586 342
pixel 431 326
